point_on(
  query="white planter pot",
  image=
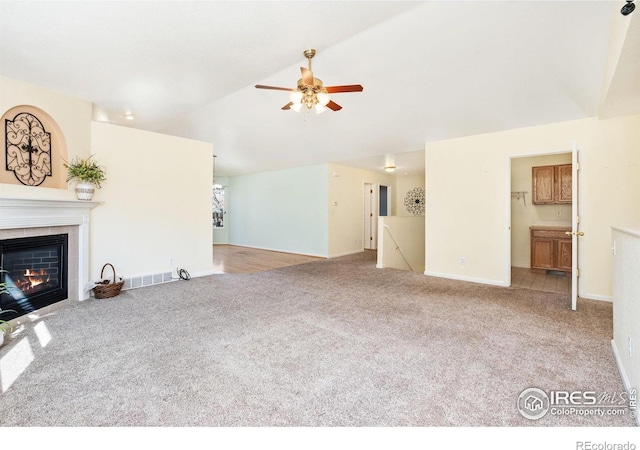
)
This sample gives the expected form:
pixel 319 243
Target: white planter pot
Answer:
pixel 84 191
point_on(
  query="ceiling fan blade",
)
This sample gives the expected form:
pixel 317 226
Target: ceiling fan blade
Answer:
pixel 346 88
pixel 287 106
pixel 260 86
pixel 307 76
pixel 333 106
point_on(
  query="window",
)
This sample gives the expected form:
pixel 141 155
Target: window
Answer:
pixel 218 206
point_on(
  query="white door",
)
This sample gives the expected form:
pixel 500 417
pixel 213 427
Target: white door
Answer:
pixel 370 216
pixel 575 225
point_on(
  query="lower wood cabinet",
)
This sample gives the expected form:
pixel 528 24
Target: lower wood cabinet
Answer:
pixel 550 249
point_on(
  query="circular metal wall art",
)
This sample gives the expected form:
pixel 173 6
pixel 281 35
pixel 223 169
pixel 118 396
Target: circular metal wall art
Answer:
pixel 414 201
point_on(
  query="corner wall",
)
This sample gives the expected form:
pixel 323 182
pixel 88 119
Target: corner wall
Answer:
pixel 626 305
pixel 405 183
pixel 282 210
pixel 468 197
pixel 155 207
pixel 346 206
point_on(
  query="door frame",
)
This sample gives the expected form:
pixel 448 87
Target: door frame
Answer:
pixel 374 202
pixel 573 151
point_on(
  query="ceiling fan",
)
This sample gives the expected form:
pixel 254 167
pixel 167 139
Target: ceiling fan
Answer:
pixel 310 92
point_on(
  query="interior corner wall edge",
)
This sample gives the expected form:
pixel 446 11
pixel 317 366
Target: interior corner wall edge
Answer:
pixel 468 195
pixel 155 214
pixel 345 204
pixel 283 210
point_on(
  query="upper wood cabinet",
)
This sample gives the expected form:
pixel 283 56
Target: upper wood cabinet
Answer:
pixel 551 184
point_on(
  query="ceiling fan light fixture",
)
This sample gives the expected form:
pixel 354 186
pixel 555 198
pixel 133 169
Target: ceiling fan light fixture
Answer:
pixel 310 91
pixel 323 98
pixel 295 97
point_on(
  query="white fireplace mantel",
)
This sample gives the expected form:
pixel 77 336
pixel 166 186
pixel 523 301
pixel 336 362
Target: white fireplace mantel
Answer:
pixel 28 213
pixel 20 213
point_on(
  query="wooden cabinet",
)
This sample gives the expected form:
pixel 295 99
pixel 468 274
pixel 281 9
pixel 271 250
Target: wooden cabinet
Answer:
pixel 550 249
pixel 551 184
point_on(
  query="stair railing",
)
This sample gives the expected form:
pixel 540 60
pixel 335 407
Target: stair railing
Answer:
pixel 398 246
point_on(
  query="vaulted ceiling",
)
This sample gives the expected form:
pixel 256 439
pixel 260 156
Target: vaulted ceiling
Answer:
pixel 431 70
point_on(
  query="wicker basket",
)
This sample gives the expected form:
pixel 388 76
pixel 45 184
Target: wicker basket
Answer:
pixel 106 288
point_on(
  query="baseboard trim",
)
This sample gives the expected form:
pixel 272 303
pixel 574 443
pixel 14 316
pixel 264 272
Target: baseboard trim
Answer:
pixel 623 374
pixel 337 255
pixel 462 278
pixel 279 250
pixel 601 298
pixel 205 274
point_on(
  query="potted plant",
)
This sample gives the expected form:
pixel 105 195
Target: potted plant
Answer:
pixel 87 174
pixel 5 327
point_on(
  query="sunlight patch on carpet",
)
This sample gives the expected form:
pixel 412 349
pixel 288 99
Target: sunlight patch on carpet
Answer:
pixel 14 363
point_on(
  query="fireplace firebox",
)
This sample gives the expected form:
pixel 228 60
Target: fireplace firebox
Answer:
pixel 35 273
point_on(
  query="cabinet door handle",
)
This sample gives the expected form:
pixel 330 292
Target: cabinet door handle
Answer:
pixel 577 233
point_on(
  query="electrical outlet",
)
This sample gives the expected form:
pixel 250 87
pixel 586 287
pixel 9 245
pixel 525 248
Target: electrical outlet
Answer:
pixel 463 260
pixel 558 213
pixel 170 261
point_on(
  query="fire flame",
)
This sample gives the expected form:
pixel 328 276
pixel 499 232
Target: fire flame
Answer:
pixel 35 278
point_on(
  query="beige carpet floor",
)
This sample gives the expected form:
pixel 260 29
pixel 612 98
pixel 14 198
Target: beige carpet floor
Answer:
pixel 327 343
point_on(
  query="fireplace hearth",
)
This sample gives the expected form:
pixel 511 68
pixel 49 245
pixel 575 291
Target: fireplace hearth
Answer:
pixel 36 273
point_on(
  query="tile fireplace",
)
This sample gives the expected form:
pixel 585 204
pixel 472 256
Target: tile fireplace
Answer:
pixel 36 273
pixel 51 222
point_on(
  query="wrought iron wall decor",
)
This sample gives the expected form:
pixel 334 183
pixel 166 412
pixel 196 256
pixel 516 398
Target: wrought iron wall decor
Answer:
pixel 414 201
pixel 28 149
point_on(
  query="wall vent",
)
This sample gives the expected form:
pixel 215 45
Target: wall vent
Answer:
pixel 147 280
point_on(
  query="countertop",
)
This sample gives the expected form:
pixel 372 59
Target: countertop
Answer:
pixel 551 227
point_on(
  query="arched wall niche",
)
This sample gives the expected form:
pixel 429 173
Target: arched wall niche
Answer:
pixel 48 145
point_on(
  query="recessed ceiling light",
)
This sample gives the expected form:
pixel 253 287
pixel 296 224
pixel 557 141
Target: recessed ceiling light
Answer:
pixel 390 168
pixel 129 116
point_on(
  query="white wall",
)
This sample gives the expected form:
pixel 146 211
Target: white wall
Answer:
pixel 346 206
pixel 405 183
pixel 283 210
pixel 525 215
pixel 72 115
pixel 156 203
pixel 468 197
pixel 626 304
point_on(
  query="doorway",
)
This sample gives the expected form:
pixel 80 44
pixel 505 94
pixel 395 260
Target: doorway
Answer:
pixel 543 229
pixel 377 202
